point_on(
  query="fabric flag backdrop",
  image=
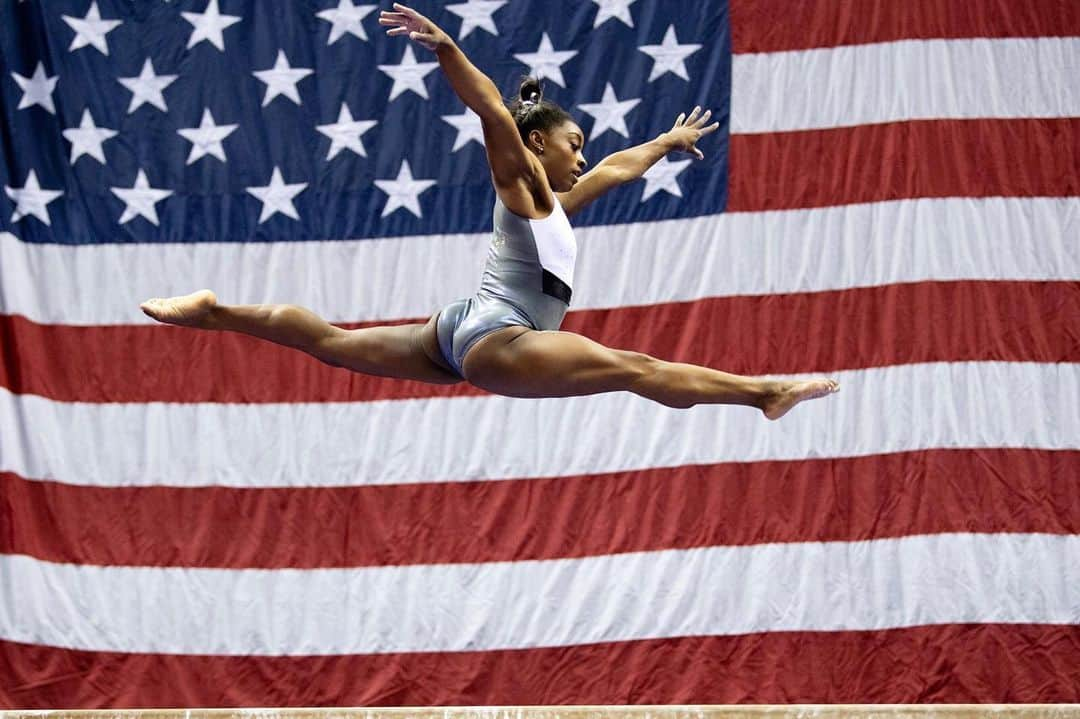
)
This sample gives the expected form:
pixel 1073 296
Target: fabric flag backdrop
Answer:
pixel 200 519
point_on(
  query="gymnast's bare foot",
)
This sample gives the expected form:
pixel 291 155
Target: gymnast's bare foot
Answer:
pixel 188 310
pixel 789 394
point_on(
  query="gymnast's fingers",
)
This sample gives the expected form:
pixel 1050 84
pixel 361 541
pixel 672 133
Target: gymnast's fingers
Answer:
pixel 410 12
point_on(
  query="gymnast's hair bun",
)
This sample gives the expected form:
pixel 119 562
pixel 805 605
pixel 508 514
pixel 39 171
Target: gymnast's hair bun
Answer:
pixel 530 91
pixel 531 111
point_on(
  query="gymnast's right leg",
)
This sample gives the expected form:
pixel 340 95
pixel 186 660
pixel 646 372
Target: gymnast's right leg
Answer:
pixel 401 351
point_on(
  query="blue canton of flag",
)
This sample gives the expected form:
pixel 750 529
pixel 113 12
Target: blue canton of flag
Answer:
pixel 235 120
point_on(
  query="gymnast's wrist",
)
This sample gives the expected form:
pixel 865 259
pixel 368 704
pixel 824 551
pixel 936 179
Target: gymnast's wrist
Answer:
pixel 666 142
pixel 446 46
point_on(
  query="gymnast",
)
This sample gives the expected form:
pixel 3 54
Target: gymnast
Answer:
pixel 506 339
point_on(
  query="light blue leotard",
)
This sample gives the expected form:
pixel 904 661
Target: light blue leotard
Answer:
pixel 526 282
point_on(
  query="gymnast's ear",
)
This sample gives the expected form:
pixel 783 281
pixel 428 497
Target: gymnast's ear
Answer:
pixel 536 141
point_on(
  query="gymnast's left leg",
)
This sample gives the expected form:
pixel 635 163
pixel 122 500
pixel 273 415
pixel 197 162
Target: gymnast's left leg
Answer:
pixel 521 362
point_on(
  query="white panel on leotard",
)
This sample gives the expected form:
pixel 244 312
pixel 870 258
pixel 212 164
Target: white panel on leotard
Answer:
pixel 556 246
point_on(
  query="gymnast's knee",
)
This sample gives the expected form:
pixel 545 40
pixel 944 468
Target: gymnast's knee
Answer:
pixel 299 327
pixel 654 380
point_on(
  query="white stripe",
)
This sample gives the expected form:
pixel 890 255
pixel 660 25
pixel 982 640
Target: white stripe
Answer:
pixel 812 586
pixel 891 409
pixel 637 264
pixel 906 80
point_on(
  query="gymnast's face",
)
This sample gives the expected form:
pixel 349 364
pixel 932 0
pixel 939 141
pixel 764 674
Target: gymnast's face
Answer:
pixel 560 151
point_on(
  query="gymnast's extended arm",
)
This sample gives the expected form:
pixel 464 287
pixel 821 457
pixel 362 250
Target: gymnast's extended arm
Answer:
pixel 631 163
pixel 514 169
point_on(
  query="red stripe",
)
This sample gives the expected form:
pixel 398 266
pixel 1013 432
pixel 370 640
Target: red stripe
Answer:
pixel 848 499
pixel 982 663
pixel 892 161
pixel 774 334
pixel 778 25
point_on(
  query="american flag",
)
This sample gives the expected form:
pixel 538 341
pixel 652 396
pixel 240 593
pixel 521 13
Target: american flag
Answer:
pixel 199 519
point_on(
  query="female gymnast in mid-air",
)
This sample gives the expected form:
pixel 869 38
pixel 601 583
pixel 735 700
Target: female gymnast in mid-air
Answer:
pixel 505 338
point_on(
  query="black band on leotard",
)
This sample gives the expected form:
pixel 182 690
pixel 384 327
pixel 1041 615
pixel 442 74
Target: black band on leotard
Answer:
pixel 554 287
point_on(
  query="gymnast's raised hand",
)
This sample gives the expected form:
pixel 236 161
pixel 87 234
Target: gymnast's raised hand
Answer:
pixel 406 21
pixel 686 131
pixel 505 338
